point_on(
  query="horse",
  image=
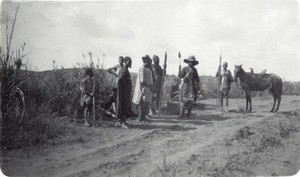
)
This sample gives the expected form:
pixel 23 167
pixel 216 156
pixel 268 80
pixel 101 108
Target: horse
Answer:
pixel 259 82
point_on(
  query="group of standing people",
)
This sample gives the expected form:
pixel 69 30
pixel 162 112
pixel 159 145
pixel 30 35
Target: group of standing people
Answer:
pixel 147 92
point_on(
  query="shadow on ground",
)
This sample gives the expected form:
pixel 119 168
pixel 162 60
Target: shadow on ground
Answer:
pixel 183 120
pixel 152 126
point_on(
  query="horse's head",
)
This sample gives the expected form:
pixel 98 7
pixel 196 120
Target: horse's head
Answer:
pixel 237 72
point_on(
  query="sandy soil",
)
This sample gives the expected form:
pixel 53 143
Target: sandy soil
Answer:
pixel 209 143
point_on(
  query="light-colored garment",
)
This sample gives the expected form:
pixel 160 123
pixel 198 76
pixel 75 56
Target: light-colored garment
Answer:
pixel 144 75
pixel 187 86
pixel 226 79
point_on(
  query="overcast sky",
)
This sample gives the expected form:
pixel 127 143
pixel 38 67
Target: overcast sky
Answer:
pixel 257 34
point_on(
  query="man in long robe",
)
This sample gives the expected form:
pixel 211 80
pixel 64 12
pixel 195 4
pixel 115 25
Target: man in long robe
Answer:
pixel 187 86
pixel 143 89
pixel 124 92
pixel 196 81
pixel 157 79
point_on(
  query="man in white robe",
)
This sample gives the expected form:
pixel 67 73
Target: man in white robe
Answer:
pixel 143 89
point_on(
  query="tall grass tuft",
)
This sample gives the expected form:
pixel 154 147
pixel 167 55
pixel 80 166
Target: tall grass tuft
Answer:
pixel 163 170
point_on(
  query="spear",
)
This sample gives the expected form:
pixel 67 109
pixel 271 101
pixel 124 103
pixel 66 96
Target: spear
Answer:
pixel 219 82
pixel 179 58
pixel 162 84
pixel 94 106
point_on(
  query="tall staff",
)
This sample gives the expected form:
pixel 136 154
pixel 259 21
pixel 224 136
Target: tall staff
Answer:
pixel 94 107
pixel 219 82
pixel 162 84
pixel 179 58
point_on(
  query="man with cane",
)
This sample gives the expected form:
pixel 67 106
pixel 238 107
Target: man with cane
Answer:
pixel 87 87
pixel 187 86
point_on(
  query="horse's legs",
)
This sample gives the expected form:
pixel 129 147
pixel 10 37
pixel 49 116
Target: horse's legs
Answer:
pixel 274 98
pixel 250 102
pixel 278 102
pixel 247 100
pixel 246 103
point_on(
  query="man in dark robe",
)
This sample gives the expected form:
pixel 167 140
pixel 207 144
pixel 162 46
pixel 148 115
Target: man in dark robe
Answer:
pixel 196 81
pixel 124 92
pixel 157 73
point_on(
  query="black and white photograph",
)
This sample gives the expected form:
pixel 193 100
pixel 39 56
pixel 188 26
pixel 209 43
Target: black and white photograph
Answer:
pixel 150 88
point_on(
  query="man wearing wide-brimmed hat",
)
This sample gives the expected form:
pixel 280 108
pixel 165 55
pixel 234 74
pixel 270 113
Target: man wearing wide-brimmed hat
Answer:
pixel 189 85
pixel 143 89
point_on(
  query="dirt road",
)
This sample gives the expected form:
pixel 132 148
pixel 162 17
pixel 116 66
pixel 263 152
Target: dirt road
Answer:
pixel 209 143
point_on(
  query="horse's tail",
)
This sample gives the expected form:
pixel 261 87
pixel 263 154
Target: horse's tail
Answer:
pixel 277 83
pixel 280 86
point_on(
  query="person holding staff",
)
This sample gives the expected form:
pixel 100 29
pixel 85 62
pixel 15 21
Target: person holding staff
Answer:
pixel 87 89
pixel 157 79
pixel 187 86
pixel 225 82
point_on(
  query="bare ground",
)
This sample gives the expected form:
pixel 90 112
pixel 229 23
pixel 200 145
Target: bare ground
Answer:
pixel 209 143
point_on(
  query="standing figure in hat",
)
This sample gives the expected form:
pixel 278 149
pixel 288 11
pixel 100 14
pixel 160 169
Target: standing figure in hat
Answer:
pixel 157 71
pixel 143 89
pixel 188 87
pixel 124 92
pixel 226 80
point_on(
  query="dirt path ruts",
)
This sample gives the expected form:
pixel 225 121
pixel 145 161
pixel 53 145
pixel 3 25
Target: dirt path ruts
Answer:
pixel 119 152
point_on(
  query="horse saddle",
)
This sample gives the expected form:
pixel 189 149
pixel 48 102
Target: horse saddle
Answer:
pixel 260 82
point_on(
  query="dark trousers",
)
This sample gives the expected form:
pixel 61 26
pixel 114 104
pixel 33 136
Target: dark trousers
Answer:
pixel 142 110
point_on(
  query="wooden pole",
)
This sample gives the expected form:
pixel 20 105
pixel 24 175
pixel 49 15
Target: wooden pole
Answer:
pixel 179 58
pixel 219 83
pixel 94 106
pixel 162 84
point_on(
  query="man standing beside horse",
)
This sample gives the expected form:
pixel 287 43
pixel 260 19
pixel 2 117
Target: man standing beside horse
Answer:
pixel 226 80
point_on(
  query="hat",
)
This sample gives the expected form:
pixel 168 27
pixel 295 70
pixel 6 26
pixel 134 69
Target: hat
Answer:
pixel 191 59
pixel 155 58
pixel 225 63
pixel 146 59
